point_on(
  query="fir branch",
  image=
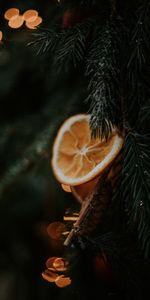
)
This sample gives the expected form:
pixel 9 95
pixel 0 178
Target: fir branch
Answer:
pixel 103 69
pixel 137 63
pixel 72 45
pixel 144 115
pixel 67 46
pixel 135 186
pixel 139 39
pixel 45 40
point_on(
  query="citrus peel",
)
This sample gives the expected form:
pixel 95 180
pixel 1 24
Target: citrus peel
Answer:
pixel 77 158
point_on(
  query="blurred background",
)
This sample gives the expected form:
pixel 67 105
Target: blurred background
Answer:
pixel 33 103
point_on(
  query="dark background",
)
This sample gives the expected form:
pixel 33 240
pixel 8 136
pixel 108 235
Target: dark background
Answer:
pixel 33 103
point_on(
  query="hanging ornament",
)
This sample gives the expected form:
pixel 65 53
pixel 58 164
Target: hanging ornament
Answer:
pixel 81 163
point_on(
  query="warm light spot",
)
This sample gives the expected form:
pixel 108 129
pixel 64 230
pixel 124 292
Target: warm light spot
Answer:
pixel 16 22
pixel 11 12
pixel 65 233
pixel 1 35
pixel 33 25
pixel 49 276
pixel 70 218
pixel 66 188
pixel 62 281
pixel 55 230
pixel 30 15
pixel 60 264
pixel 50 261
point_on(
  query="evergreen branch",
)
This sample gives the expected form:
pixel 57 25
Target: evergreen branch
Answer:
pixel 145 113
pixel 137 63
pixel 103 69
pixel 45 40
pixel 135 186
pixel 139 40
pixel 72 45
pixel 68 45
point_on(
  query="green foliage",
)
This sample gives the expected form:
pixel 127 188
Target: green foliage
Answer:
pixel 68 45
pixel 135 186
pixel 137 67
pixel 104 72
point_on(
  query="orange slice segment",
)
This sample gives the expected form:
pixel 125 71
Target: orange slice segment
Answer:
pixel 76 157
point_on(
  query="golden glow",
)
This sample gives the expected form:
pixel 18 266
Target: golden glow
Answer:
pixel 30 15
pixel 55 230
pixel 11 12
pixel 66 188
pixel 34 24
pixel 70 218
pixel 16 22
pixel 1 35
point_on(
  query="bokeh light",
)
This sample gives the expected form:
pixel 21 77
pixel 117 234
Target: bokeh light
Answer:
pixel 1 35
pixel 16 19
pixel 34 24
pixel 66 188
pixel 30 15
pixel 11 12
pixel 16 22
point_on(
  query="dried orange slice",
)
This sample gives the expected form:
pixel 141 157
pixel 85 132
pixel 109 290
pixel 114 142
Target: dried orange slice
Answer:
pixel 77 158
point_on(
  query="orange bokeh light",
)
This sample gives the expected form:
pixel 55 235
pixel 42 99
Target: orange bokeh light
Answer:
pixel 30 15
pixel 11 12
pixel 34 24
pixel 16 22
pixel 1 35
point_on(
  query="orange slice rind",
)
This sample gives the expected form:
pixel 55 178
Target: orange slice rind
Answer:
pixel 76 157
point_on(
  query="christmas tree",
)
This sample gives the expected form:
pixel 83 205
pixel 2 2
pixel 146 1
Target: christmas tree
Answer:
pixel 85 57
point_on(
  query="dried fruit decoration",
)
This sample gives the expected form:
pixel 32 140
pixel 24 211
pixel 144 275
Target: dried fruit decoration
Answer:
pixel 80 163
